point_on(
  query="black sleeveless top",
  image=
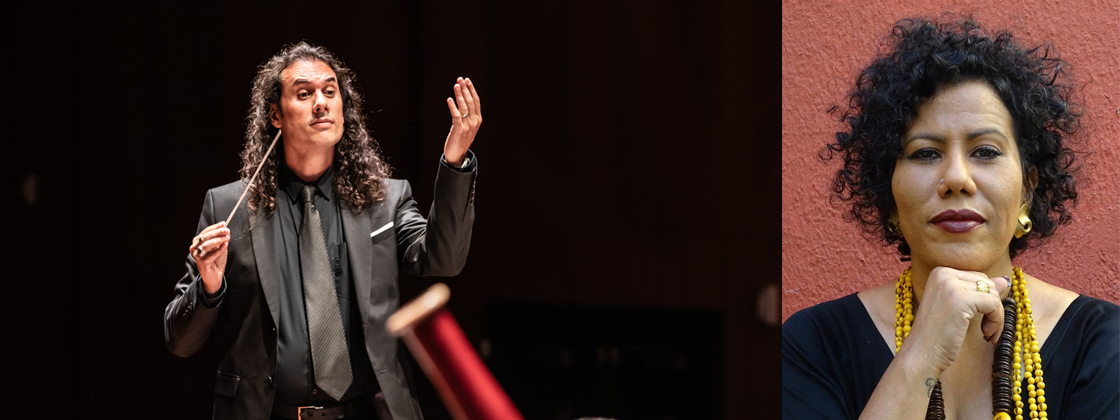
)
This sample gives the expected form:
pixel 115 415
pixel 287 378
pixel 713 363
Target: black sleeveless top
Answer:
pixel 833 357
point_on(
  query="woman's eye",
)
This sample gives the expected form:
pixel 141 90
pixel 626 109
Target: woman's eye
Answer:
pixel 304 95
pixel 987 153
pixel 925 154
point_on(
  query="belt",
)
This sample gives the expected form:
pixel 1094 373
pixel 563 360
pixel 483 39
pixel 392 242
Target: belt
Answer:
pixel 353 407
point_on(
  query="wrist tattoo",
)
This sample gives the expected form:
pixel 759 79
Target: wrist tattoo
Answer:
pixel 930 383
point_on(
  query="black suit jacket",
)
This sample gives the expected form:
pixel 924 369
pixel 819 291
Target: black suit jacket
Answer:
pixel 389 237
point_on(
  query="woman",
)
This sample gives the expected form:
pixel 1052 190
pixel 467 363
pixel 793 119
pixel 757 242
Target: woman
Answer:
pixel 954 150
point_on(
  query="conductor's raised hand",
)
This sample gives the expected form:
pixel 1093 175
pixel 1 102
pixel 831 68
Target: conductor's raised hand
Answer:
pixel 209 250
pixel 466 117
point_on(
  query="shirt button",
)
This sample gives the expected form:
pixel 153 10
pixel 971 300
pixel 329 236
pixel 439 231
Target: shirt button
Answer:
pixel 314 391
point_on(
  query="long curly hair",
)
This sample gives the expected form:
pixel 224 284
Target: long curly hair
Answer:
pixel 359 168
pixel 926 56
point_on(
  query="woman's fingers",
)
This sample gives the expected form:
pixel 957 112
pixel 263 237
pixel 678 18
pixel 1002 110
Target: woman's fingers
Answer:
pixel 969 286
pixel 1003 286
pixel 985 303
pixel 992 309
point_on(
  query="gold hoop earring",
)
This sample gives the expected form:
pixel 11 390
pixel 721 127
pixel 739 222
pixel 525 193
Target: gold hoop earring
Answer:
pixel 1025 223
pixel 892 225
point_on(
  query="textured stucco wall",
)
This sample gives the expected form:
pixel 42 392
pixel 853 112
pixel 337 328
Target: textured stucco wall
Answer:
pixel 826 43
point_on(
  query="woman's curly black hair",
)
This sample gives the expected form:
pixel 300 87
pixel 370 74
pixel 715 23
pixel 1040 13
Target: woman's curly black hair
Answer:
pixel 927 56
pixel 359 166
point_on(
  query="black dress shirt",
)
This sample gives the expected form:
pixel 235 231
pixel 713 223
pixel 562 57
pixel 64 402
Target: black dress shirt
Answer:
pixel 295 380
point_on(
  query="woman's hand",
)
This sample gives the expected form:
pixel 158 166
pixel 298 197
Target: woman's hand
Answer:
pixel 950 304
pixel 465 120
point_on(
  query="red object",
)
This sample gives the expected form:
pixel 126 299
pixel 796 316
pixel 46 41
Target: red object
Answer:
pixel 441 348
pixel 468 381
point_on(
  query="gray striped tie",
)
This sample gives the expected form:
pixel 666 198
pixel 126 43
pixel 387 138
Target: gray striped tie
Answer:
pixel 329 356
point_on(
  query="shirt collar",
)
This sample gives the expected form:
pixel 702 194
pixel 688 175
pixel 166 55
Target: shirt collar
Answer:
pixel 294 185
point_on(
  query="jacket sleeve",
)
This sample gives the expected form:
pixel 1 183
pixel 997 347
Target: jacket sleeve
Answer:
pixel 438 246
pixel 188 321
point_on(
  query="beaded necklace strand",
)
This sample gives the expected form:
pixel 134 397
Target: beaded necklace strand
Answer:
pixel 1024 331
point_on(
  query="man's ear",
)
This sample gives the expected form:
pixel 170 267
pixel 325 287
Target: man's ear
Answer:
pixel 274 115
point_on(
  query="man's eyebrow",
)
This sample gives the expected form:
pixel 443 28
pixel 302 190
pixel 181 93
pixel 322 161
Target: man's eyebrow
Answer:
pixel 304 81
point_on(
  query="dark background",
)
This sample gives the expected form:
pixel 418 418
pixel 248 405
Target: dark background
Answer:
pixel 628 175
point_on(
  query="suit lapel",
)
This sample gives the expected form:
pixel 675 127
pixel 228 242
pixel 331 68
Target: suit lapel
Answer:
pixel 357 229
pixel 263 230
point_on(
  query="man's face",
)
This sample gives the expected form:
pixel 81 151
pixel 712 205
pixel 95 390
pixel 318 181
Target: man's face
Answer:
pixel 310 105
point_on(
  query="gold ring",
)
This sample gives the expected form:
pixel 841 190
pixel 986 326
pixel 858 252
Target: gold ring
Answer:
pixel 982 287
pixel 464 115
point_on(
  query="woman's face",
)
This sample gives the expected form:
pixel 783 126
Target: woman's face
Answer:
pixel 958 185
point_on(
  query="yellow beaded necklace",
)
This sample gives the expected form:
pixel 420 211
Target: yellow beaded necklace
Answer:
pixel 1024 326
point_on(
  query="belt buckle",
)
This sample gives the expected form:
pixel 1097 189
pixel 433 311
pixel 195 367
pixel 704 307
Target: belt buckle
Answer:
pixel 299 410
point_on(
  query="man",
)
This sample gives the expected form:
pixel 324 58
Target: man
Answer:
pixel 296 289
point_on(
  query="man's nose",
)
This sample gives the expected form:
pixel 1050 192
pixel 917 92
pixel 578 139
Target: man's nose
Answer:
pixel 321 103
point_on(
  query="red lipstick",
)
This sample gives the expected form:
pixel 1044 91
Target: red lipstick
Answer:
pixel 957 221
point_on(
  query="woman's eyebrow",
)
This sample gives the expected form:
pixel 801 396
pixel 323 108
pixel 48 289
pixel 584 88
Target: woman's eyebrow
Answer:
pixel 983 131
pixel 925 136
pixel 941 139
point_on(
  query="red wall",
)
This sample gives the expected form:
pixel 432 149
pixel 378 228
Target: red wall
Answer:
pixel 824 45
